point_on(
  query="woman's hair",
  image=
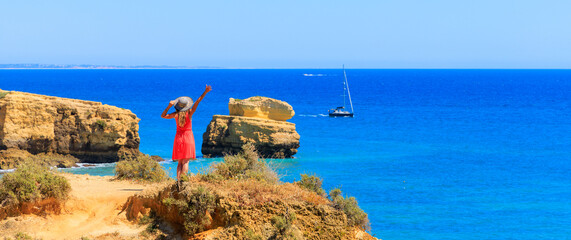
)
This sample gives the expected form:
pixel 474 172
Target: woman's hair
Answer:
pixel 181 118
pixel 181 115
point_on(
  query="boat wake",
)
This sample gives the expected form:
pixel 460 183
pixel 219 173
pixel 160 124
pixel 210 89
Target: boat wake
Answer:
pixel 311 115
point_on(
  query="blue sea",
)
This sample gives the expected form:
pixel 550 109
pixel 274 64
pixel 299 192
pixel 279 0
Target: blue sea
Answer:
pixel 430 154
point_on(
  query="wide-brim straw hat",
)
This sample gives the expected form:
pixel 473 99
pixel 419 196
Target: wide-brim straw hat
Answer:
pixel 183 104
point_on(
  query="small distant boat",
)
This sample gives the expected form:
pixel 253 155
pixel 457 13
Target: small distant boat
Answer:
pixel 340 111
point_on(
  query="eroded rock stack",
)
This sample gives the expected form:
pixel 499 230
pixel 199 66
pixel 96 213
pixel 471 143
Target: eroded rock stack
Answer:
pixel 32 124
pixel 259 120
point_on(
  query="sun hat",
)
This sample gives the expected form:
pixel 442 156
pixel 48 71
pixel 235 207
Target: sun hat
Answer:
pixel 183 103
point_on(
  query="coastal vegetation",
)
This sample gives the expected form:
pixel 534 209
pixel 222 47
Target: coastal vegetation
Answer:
pixel 10 159
pixel 238 198
pixel 243 198
pixel 355 215
pixel 140 168
pixel 31 183
pixel 311 183
pixel 101 124
pixel 20 236
pixel 283 225
pixel 194 203
pixel 244 165
pixel 3 93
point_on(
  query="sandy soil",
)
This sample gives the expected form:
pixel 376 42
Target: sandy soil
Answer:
pixel 92 210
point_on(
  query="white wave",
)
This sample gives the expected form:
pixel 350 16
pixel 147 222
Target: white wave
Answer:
pixel 91 165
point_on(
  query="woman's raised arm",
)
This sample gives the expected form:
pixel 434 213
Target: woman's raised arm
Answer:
pixel 207 89
pixel 168 116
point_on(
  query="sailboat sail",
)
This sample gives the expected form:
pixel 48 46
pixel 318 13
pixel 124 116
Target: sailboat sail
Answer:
pixel 348 91
pixel 340 111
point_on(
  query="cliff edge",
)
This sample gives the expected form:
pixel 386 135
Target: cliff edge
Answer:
pixel 243 198
pixel 32 124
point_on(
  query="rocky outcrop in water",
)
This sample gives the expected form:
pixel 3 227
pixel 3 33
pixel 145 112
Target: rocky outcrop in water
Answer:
pixel 252 120
pixel 89 131
pixel 261 107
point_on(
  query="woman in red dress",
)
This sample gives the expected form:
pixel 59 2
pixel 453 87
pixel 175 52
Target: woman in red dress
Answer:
pixel 183 148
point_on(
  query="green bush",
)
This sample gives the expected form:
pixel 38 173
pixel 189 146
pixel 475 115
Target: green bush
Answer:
pixel 244 165
pixel 251 235
pixel 152 222
pixel 194 205
pixel 3 94
pixel 23 236
pixel 355 215
pixel 140 168
pixel 311 183
pixel 101 124
pixel 283 225
pixel 32 182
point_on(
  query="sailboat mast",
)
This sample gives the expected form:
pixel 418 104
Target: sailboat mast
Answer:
pixel 344 88
pixel 348 92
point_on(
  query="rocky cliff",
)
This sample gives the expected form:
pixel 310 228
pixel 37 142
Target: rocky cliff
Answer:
pixel 257 120
pixel 244 210
pixel 33 124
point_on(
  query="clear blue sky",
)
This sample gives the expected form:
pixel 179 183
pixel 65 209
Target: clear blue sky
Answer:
pixel 289 34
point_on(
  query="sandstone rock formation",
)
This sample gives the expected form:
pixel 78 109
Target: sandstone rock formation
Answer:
pixel 258 125
pixel 261 107
pixel 89 131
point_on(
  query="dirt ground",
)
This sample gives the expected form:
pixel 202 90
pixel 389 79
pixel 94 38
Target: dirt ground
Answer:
pixel 92 210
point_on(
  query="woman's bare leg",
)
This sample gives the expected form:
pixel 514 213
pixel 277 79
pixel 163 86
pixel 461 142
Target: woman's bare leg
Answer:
pixel 178 169
pixel 182 168
pixel 185 166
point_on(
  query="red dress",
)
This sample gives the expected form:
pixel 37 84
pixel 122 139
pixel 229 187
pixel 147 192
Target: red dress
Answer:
pixel 183 147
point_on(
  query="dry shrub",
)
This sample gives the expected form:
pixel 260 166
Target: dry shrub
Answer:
pixel 251 235
pixel 283 225
pixel 244 165
pixel 194 204
pixel 32 182
pixel 314 199
pixel 355 215
pixel 21 236
pixel 250 192
pixel 10 158
pixel 140 168
pixel 311 183
pixel 3 94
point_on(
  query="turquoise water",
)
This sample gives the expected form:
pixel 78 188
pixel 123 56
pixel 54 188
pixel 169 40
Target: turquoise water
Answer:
pixel 430 154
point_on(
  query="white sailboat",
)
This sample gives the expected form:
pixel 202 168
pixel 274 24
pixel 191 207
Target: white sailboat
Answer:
pixel 340 111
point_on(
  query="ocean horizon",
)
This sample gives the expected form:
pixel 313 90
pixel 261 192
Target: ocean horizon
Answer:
pixel 430 153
